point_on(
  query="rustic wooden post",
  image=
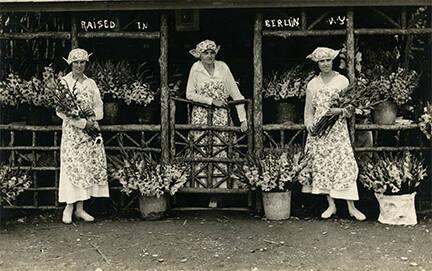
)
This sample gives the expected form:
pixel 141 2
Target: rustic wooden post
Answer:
pixel 257 97
pixel 350 42
pixel 258 81
pixel 164 97
pixel 74 32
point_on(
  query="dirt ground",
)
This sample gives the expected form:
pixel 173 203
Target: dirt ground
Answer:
pixel 213 240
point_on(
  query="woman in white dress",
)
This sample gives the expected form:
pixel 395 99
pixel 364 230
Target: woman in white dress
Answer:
pixel 82 160
pixel 211 82
pixel 334 169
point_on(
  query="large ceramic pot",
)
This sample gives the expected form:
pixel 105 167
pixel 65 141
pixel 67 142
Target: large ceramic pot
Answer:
pixel 288 111
pixel 385 113
pixel 397 209
pixel 153 208
pixel 277 205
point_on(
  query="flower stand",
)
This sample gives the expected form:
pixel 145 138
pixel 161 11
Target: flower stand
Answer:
pixel 153 208
pixel 385 113
pixel 397 209
pixel 277 205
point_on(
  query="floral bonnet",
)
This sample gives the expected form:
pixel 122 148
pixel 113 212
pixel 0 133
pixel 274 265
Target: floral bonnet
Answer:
pixel 321 53
pixel 203 46
pixel 77 55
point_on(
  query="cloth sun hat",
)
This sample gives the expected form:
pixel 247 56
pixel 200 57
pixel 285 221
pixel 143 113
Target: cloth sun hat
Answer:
pixel 77 54
pixel 321 53
pixel 203 46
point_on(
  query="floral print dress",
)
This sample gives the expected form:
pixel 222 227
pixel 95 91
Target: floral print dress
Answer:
pixel 82 162
pixel 333 168
pixel 203 87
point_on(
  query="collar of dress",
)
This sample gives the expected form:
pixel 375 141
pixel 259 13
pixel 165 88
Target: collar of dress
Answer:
pixel 200 67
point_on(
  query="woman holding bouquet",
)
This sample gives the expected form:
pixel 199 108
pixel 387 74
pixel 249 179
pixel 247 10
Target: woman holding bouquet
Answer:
pixel 211 82
pixel 333 168
pixel 82 158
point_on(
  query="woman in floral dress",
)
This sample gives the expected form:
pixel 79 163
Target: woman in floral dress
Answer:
pixel 82 160
pixel 211 82
pixel 333 168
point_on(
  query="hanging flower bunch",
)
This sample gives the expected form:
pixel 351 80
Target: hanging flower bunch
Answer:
pixel 392 174
pixel 274 172
pixel 425 121
pixel 12 183
pixel 118 80
pixel 289 83
pixel 142 174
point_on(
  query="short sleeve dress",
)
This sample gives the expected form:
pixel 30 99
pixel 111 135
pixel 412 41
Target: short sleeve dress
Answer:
pixel 334 169
pixel 83 162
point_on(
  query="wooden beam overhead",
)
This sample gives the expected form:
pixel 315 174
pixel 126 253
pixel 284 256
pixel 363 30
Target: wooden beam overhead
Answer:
pixel 93 5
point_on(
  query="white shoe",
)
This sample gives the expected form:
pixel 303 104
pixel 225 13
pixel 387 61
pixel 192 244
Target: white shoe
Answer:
pixel 84 216
pixel 329 212
pixel 357 214
pixel 67 215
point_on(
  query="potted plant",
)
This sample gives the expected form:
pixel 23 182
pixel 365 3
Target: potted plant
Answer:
pixel 151 180
pixel 12 183
pixel 287 88
pixel 274 173
pixel 33 92
pixel 118 81
pixel 393 178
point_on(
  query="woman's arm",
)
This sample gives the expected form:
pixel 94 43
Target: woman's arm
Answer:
pixel 309 110
pixel 80 123
pixel 191 89
pixel 97 100
pixel 234 93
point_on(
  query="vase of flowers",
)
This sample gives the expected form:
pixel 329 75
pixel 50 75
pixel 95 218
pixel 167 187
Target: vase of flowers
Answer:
pixel 152 181
pixel 385 113
pixel 12 183
pixel 393 178
pixel 287 88
pixel 394 89
pixel 274 173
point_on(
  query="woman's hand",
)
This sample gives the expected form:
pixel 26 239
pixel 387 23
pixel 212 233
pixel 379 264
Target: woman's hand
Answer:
pixel 309 127
pixel 219 103
pixel 243 126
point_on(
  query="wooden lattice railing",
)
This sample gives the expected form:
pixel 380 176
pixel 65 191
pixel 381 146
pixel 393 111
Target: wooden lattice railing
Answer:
pixel 37 148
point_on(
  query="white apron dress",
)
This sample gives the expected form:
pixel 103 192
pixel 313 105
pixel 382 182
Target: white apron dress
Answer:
pixel 334 169
pixel 83 166
pixel 203 87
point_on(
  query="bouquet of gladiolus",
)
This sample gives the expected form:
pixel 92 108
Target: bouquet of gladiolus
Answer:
pixel 12 183
pixel 139 172
pixel 354 97
pixel 65 101
pixel 392 174
pixel 275 171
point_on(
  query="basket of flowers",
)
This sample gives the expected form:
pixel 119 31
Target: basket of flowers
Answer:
pixel 394 178
pixel 274 173
pixel 153 181
pixel 287 88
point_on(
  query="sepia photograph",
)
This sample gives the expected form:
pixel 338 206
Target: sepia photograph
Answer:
pixel 216 135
